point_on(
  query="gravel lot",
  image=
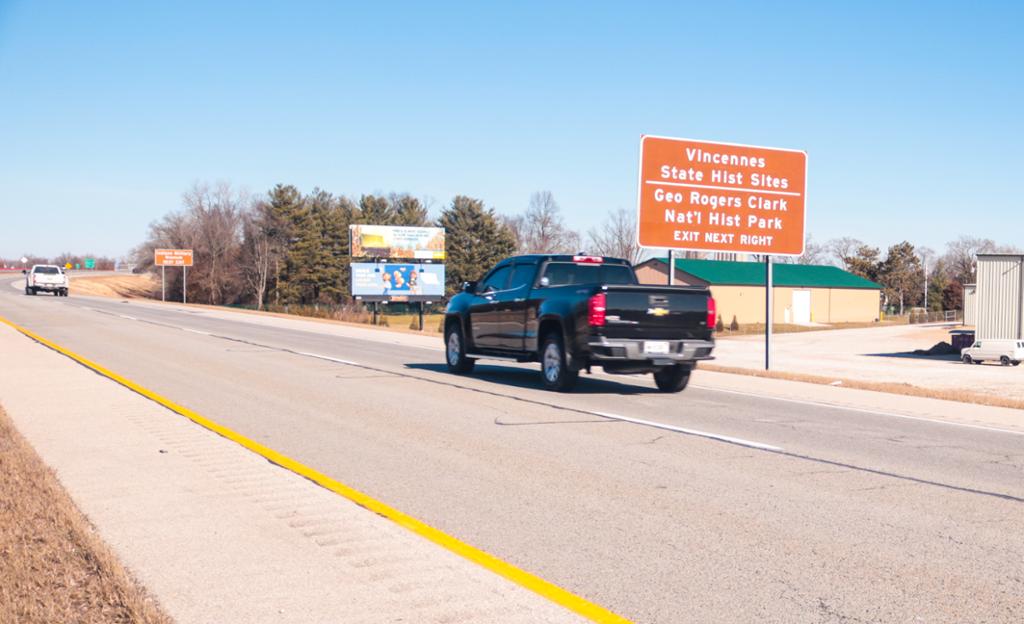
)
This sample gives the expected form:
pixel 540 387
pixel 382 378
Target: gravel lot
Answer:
pixel 879 354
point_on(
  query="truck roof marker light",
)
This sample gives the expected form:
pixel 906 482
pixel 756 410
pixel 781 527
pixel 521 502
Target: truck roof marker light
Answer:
pixel 588 259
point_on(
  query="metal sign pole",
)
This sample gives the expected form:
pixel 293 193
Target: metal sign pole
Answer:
pixel 671 268
pixel 184 284
pixel 421 316
pixel 163 283
pixel 769 299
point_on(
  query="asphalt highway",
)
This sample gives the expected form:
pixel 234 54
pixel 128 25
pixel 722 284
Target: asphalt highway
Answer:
pixel 705 506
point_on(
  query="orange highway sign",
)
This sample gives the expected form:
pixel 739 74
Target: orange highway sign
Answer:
pixel 721 197
pixel 172 257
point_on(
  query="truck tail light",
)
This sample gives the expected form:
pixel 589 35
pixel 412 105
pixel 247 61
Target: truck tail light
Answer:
pixel 712 313
pixel 597 308
pixel 588 259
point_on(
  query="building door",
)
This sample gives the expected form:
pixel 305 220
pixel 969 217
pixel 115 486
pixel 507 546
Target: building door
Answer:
pixel 801 306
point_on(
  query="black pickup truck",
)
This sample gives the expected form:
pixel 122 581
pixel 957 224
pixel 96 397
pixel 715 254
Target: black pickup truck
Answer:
pixel 574 312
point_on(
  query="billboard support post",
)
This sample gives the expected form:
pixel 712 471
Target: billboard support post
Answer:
pixel 769 301
pixel 163 283
pixel 184 284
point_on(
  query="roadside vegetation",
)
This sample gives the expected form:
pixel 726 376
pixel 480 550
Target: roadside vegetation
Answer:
pixel 285 250
pixel 288 248
pixel 53 566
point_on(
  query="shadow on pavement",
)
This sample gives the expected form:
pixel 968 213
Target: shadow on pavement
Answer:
pixel 910 355
pixel 530 378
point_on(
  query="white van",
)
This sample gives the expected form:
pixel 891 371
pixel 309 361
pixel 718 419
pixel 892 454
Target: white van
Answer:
pixel 1005 352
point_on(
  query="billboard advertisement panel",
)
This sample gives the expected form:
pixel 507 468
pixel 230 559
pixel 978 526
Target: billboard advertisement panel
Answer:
pixel 397 242
pixel 394 279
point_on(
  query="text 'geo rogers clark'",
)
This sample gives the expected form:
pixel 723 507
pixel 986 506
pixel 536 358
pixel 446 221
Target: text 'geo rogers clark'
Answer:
pixel 722 197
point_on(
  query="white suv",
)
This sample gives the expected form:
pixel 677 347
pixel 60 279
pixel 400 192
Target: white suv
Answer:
pixel 1005 352
pixel 47 278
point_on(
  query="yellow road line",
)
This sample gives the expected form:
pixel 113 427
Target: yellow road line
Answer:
pixel 552 592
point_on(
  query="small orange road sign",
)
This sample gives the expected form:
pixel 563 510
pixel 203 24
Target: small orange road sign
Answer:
pixel 704 196
pixel 172 257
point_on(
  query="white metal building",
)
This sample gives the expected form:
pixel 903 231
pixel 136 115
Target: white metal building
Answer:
pixel 970 305
pixel 1000 296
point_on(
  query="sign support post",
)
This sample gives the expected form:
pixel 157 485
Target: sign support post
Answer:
pixel 671 267
pixel 769 301
pixel 164 258
pixel 421 316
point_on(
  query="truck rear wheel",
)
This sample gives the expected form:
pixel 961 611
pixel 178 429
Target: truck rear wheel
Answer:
pixel 455 350
pixel 672 378
pixel 554 367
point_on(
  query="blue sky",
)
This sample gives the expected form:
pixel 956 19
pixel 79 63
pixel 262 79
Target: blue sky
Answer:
pixel 910 114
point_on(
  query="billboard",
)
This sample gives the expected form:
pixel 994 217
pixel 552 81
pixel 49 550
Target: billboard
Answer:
pixel 396 242
pixel 172 257
pixel 397 280
pixel 705 196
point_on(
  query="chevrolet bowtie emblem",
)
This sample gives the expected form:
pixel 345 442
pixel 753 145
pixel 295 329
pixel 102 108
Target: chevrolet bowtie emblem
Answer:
pixel 657 311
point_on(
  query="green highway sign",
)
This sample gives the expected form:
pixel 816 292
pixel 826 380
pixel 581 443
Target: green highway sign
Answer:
pixel 90 263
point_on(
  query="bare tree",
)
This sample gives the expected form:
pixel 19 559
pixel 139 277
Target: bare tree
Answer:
pixel 814 252
pixel 616 237
pixel 541 228
pixel 844 249
pixel 211 225
pixel 259 252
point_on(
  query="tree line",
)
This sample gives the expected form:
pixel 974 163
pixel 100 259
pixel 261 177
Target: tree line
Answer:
pixel 286 247
pixel 914 276
pixel 103 263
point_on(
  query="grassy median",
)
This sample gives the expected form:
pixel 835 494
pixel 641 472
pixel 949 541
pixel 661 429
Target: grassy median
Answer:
pixel 53 566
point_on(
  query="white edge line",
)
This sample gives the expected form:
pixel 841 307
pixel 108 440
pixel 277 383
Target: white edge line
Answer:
pixel 862 410
pixel 195 331
pixel 327 357
pixel 720 188
pixel 130 318
pixel 695 432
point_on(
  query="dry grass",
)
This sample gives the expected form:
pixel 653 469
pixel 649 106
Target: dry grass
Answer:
pixel 954 394
pixel 53 567
pixel 127 286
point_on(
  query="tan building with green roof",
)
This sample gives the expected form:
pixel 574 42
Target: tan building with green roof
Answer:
pixel 803 293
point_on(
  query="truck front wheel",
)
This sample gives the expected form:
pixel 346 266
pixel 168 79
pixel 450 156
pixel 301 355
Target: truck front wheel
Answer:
pixel 554 368
pixel 672 378
pixel 455 351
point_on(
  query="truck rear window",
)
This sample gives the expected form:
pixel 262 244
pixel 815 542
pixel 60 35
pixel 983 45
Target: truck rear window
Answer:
pixel 570 273
pixel 47 270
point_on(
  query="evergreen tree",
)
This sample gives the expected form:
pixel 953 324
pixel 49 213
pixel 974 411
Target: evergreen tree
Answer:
pixel 475 240
pixel 408 210
pixel 864 262
pixel 900 273
pixel 284 212
pixel 374 210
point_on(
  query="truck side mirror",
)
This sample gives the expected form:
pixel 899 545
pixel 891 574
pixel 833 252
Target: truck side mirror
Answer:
pixel 24 271
pixel 469 287
pixel 545 281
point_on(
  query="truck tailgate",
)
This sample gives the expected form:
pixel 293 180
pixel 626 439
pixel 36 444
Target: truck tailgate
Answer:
pixel 655 312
